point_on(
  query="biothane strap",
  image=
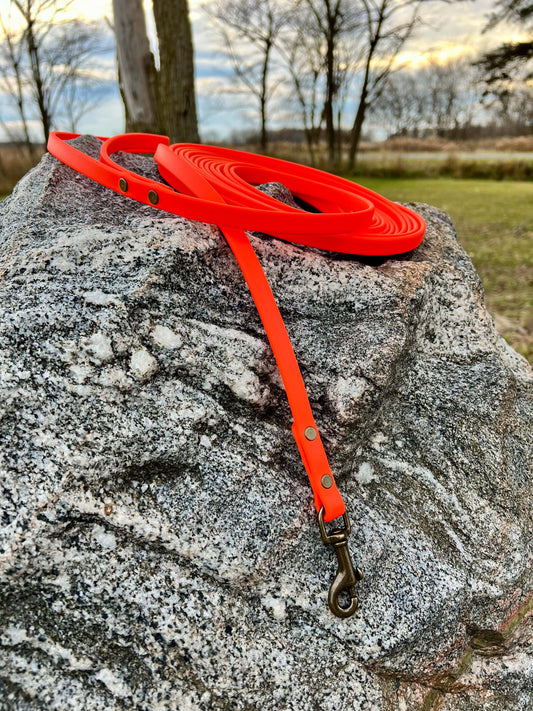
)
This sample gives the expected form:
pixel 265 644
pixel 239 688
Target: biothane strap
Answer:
pixel 217 185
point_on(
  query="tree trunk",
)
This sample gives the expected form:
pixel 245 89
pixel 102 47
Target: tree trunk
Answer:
pixel 263 140
pixel 176 97
pixel 356 131
pixel 361 109
pixel 22 114
pixel 374 40
pixel 310 144
pixel 328 104
pixel 136 66
pixel 38 84
pixel 263 97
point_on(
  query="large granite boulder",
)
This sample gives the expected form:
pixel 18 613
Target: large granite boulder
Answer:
pixel 159 544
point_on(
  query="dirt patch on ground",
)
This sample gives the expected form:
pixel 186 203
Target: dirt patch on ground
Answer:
pixel 520 338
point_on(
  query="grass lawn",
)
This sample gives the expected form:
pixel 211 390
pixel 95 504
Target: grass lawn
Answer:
pixel 494 222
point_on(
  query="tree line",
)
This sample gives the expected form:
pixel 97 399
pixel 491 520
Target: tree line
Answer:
pixel 340 67
pixel 335 64
pixel 451 99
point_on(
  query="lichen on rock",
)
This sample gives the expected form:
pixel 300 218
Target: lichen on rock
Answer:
pixel 159 546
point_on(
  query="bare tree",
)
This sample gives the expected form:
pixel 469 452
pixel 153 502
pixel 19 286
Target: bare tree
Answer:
pixel 36 28
pixel 388 24
pixel 250 30
pixel 360 41
pixel 13 81
pixel 74 56
pixel 321 56
pixel 402 106
pixel 337 53
pixel 332 21
pixel 46 62
pixel 160 100
pixel 301 50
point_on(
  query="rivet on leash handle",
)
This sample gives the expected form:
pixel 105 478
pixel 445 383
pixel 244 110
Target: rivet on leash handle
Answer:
pixel 347 577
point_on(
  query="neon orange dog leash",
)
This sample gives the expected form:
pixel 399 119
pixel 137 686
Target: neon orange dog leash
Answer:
pixel 216 185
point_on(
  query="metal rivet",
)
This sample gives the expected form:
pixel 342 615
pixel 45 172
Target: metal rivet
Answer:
pixel 123 183
pixel 153 197
pixel 327 481
pixel 310 433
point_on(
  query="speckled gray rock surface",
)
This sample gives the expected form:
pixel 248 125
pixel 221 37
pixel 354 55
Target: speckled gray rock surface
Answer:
pixel 159 546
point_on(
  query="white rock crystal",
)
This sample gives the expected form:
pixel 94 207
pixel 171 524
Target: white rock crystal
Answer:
pixel 99 346
pixel 166 338
pixel 366 473
pixel 99 298
pixel 142 363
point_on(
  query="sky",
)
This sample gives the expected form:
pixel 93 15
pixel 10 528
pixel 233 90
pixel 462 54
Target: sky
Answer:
pixel 449 30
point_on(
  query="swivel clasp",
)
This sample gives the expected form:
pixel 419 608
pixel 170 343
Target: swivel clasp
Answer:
pixel 347 577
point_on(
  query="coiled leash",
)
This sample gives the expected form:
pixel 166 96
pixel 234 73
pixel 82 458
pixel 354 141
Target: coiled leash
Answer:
pixel 216 185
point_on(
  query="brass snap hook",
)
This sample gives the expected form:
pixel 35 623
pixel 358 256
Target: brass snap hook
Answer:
pixel 347 577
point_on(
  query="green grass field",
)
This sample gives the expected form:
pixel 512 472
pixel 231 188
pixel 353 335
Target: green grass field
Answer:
pixel 494 222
